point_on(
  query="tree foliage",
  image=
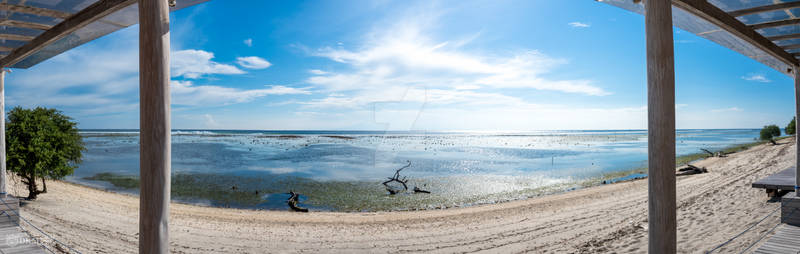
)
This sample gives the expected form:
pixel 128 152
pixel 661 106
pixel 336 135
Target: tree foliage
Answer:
pixel 792 127
pixel 770 131
pixel 41 143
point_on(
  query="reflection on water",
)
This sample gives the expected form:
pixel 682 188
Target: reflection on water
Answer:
pixel 340 170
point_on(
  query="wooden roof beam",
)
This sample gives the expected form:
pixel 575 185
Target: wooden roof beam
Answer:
pixel 793 46
pixel 84 17
pixel 765 8
pixel 34 10
pixel 778 23
pixel 720 18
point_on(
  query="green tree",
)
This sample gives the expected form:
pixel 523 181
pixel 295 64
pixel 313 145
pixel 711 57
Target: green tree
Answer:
pixel 41 143
pixel 791 128
pixel 770 131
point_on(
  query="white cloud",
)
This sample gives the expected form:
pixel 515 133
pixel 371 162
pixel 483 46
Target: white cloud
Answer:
pixel 402 63
pixel 193 64
pixel 317 72
pixel 280 90
pixel 248 42
pixel 467 87
pixel 186 93
pixel 210 122
pixel 397 94
pixel 253 62
pixel 757 78
pixel 98 83
pixel 731 109
pixel 579 24
pixel 403 56
pixel 93 80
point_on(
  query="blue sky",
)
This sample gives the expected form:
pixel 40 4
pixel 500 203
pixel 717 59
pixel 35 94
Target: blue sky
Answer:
pixel 406 65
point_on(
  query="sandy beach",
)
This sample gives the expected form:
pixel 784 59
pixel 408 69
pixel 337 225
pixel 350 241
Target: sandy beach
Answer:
pixel 712 208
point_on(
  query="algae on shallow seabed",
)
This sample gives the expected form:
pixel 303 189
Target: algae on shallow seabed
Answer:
pixel 121 181
pixel 187 186
pixel 249 191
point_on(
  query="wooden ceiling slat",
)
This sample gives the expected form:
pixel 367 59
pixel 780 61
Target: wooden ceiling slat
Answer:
pixel 778 23
pixel 765 8
pixel 793 46
pixel 15 37
pixel 720 18
pixel 34 10
pixel 23 24
pixel 784 37
pixel 84 17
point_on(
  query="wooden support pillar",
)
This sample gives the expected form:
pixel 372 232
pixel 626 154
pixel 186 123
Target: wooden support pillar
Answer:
pixel 796 135
pixel 154 126
pixel 3 180
pixel 660 126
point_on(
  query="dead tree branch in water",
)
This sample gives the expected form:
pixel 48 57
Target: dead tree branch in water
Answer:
pixel 292 201
pixel 396 178
pixel 710 154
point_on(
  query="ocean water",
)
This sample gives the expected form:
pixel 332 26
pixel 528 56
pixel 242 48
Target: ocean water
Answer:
pixel 343 170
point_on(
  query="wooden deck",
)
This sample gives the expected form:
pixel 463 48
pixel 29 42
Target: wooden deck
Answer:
pixel 12 238
pixel 14 241
pixel 783 180
pixel 785 240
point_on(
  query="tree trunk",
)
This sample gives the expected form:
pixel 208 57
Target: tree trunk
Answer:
pixel 44 185
pixel 32 190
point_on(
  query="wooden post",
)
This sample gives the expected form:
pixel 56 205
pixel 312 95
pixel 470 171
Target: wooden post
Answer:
pixel 3 180
pixel 154 126
pixel 660 126
pixel 796 135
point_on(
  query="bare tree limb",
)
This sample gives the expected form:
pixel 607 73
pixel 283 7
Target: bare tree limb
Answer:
pixel 292 201
pixel 396 178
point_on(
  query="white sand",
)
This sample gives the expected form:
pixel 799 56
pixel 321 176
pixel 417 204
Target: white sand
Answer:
pixel 712 208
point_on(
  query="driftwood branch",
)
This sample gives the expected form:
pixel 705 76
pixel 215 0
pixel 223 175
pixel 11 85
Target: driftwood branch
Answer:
pixel 292 201
pixel 720 154
pixel 418 190
pixel 691 170
pixel 396 178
